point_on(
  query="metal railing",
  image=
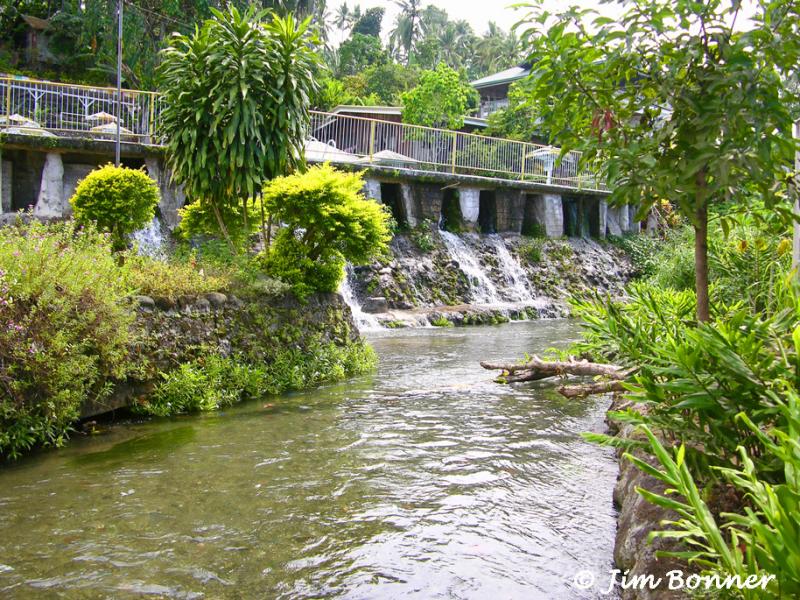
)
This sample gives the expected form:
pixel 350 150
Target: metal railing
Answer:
pixel 50 108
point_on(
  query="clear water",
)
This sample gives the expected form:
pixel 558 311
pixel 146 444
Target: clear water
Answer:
pixel 423 480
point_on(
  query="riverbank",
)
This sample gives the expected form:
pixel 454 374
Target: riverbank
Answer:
pixel 77 341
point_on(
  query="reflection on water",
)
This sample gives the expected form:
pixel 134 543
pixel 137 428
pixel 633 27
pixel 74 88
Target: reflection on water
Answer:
pixel 423 480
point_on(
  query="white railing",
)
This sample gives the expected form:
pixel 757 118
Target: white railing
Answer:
pixel 49 108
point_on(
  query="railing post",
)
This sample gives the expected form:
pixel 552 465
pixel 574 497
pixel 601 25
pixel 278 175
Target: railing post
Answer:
pixel 524 161
pixel 455 148
pixel 371 139
pixel 8 102
pixel 150 124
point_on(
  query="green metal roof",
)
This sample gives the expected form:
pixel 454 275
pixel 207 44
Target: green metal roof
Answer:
pixel 506 76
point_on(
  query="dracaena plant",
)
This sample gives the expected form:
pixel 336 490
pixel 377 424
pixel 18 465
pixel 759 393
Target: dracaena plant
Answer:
pixel 236 106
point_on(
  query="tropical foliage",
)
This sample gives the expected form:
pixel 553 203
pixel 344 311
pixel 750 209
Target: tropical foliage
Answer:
pixel 673 101
pixel 228 130
pixel 440 100
pixel 327 221
pixel 117 199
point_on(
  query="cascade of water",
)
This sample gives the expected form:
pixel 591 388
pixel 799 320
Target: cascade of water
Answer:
pixel 518 285
pixel 364 321
pixel 150 239
pixel 483 290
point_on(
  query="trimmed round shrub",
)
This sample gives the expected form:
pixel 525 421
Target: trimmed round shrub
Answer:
pixel 118 199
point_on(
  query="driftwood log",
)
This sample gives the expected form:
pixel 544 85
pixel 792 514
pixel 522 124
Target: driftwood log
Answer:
pixel 613 376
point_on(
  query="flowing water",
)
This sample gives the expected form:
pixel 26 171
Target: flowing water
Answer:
pixel 517 281
pixel 150 239
pixel 364 321
pixel 483 290
pixel 423 480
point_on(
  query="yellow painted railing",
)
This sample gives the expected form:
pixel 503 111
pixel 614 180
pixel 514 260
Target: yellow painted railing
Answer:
pixel 49 108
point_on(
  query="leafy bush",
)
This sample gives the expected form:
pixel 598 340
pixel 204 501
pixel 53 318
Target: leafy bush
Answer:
pixel 65 328
pixel 229 130
pixel 641 249
pixel 170 279
pixel 534 230
pixel 762 541
pixel 422 236
pixel 441 321
pixel 212 382
pixel 119 200
pixel 327 222
pixel 531 250
pixel 289 260
pixel 199 219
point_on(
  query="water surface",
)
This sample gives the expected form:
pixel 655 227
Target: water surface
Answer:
pixel 423 480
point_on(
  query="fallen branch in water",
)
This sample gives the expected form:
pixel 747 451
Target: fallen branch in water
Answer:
pixel 536 369
pixel 587 389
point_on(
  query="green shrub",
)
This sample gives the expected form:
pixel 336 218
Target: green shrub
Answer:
pixel 422 236
pixel 66 329
pixel 212 382
pixel 531 250
pixel 534 230
pixel 119 200
pixel 641 249
pixel 327 222
pixel 170 279
pixel 198 219
pixel 763 539
pixel 442 321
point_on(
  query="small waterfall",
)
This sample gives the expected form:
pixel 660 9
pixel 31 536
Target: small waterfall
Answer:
pixel 518 285
pixel 364 321
pixel 150 239
pixel 483 290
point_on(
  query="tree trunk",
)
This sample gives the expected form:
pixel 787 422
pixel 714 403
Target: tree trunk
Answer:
pixel 701 262
pixel 222 227
pixel 536 369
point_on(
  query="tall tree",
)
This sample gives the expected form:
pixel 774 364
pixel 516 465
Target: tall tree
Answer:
pixel 370 22
pixel 407 28
pixel 229 129
pixel 672 101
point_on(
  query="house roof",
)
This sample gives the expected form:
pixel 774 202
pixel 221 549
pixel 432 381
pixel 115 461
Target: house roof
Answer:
pixel 370 110
pixel 396 110
pixel 506 76
pixel 36 22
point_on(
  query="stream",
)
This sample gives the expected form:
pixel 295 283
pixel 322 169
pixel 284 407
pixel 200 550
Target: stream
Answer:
pixel 422 480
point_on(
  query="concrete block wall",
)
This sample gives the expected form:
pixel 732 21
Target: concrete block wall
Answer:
pixel 427 200
pixel 6 188
pixel 548 211
pixel 510 210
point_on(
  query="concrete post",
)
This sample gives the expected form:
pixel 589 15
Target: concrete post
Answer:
pixel 549 211
pixel 469 200
pixel 407 198
pixel 50 200
pixel 602 211
pixel 372 189
pixel 6 186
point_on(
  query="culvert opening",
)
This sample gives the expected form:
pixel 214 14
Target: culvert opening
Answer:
pixel 487 212
pixel 452 220
pixel 532 226
pixel 392 196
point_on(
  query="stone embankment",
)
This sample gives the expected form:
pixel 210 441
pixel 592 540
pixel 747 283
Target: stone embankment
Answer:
pixel 633 553
pixel 176 331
